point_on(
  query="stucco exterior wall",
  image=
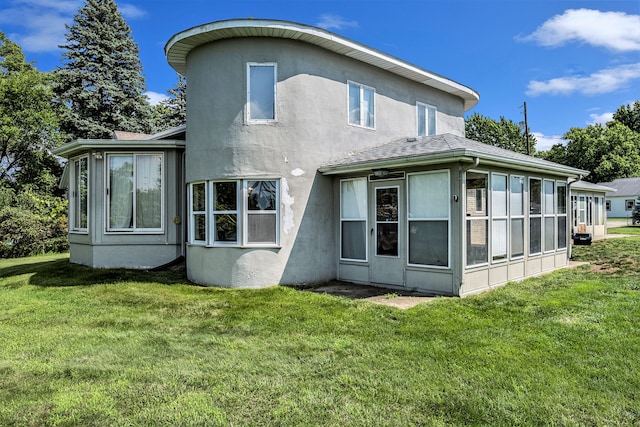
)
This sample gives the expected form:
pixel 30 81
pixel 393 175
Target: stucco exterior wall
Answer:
pixel 311 130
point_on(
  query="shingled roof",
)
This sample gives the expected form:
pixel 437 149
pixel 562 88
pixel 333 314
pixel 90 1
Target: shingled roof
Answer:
pixel 624 187
pixel 441 149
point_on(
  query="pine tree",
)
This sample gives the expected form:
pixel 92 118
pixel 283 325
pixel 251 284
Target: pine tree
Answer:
pixel 172 111
pixel 101 79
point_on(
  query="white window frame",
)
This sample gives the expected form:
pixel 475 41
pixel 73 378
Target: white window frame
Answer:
pixel 193 213
pixel 364 219
pixel 107 203
pixel 532 215
pixel 410 219
pixel 561 215
pixel 486 218
pixel 73 195
pixel 549 212
pixel 362 121
pixel 246 213
pixel 241 212
pixel 520 216
pixel 273 65
pixel 428 111
pixel 376 222
pixel 504 218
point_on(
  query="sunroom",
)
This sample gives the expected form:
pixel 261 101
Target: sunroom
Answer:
pixel 447 215
pixel 126 200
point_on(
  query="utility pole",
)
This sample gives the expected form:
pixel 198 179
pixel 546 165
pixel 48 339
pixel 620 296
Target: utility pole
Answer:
pixel 526 129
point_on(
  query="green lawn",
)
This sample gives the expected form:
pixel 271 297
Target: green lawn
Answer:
pixel 94 347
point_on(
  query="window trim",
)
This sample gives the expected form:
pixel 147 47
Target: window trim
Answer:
pixel 427 108
pixel 241 213
pixel 107 201
pixel 429 219
pixel 362 120
pixel 73 196
pixel 365 219
pixel 248 118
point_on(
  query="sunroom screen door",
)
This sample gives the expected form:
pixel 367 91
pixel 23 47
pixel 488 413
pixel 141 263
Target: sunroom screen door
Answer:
pixel 388 260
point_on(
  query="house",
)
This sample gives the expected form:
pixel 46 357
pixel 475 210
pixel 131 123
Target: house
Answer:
pixel 622 197
pixel 588 203
pixel 310 157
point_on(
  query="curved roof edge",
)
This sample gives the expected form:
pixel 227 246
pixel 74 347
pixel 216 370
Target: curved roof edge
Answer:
pixel 179 46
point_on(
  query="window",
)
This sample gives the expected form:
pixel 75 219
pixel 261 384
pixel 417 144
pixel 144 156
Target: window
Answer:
pixel 135 192
pixel 477 218
pixel 428 218
pixel 361 105
pixel 628 205
pixel 499 217
pixel 516 211
pixel 608 204
pixel 79 197
pixel 426 119
pixel 232 213
pixel 261 92
pixel 561 210
pixel 353 219
pixel 535 216
pixel 549 216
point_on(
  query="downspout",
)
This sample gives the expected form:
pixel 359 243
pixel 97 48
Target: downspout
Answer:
pixel 461 185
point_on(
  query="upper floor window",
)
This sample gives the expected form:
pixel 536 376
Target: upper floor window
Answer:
pixel 135 192
pixel 79 196
pixel 426 119
pixel 361 105
pixel 261 92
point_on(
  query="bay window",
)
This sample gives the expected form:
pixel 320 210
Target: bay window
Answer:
pixel 361 105
pixel 79 196
pixel 233 213
pixel 428 218
pixel 135 192
pixel 353 219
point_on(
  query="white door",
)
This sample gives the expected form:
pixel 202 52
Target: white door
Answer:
pixel 387 234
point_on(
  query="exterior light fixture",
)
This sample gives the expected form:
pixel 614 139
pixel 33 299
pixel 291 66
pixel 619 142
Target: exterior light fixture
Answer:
pixel 381 173
pixel 97 155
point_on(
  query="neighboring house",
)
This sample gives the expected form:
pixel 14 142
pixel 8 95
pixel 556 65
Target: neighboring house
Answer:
pixel 621 199
pixel 310 157
pixel 588 203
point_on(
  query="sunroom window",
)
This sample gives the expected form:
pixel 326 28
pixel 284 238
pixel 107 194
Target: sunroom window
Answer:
pixel 499 217
pixel 135 199
pixel 516 211
pixel 79 196
pixel 361 105
pixel 535 216
pixel 353 219
pixel 428 218
pixel 477 218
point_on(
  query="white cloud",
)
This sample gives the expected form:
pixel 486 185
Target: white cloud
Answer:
pixel 600 118
pixel 603 81
pixel 612 30
pixel 155 98
pixel 45 30
pixel 545 142
pixel 130 11
pixel 335 22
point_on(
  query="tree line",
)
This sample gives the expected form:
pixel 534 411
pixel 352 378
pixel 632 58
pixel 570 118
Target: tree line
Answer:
pixel 99 88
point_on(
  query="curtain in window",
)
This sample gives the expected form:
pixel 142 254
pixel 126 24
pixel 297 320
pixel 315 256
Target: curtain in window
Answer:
pixel 121 192
pixel 149 191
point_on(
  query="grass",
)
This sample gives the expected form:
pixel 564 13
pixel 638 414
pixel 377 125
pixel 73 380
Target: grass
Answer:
pixel 114 347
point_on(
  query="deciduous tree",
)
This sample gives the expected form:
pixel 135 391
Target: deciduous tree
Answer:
pixel 504 133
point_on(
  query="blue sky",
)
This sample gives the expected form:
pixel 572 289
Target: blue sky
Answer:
pixel 573 62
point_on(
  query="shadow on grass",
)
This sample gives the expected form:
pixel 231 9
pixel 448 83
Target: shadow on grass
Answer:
pixel 60 272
